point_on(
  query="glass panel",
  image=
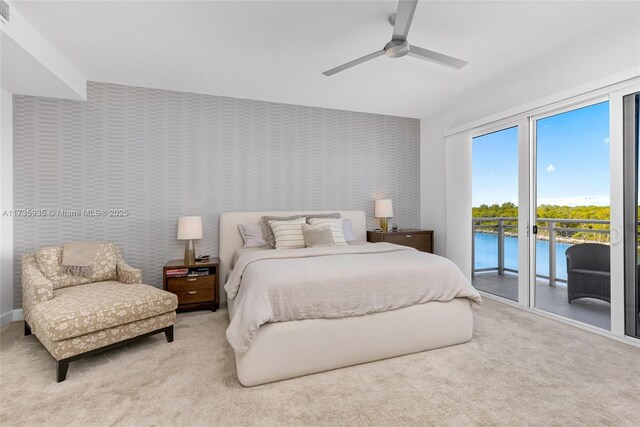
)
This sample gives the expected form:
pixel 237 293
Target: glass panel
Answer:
pixel 495 213
pixel 572 243
pixel 632 198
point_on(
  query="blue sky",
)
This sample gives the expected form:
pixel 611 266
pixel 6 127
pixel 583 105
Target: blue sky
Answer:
pixel 572 160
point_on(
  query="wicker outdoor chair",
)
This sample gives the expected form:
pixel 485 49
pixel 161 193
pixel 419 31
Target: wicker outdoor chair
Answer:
pixel 589 272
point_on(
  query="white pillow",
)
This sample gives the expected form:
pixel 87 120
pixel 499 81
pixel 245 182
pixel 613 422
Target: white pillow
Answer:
pixel 288 233
pixel 336 228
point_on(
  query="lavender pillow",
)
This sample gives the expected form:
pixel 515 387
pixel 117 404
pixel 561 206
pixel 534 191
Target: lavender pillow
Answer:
pixel 252 235
pixel 347 229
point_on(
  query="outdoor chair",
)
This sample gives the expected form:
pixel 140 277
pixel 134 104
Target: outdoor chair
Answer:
pixel 588 272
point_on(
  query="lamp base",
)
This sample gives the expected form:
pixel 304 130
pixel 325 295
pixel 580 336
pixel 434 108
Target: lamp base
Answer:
pixel 189 252
pixel 384 224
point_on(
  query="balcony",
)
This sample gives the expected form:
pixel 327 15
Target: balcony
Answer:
pixel 495 261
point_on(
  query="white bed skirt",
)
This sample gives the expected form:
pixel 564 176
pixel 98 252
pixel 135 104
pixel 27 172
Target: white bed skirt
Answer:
pixel 292 349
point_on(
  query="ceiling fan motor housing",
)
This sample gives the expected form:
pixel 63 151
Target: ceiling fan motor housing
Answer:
pixel 396 48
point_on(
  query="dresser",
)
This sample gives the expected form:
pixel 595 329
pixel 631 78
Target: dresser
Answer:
pixel 422 240
pixel 196 285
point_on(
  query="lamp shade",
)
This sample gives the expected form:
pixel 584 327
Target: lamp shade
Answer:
pixel 383 208
pixel 189 227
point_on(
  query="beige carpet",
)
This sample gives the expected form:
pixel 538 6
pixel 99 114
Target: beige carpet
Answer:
pixel 519 369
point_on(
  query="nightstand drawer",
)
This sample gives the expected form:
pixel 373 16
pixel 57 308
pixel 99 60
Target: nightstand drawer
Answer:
pixel 176 284
pixel 420 241
pixel 195 295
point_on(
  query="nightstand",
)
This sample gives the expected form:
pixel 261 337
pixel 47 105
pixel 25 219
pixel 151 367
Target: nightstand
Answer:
pixel 196 285
pixel 422 240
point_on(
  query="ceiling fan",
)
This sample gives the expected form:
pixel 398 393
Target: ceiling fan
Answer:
pixel 399 45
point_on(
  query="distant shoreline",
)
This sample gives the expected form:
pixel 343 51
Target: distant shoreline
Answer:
pixel 561 239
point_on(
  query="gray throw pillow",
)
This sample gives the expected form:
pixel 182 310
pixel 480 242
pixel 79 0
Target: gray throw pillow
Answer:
pixel 315 237
pixel 267 232
pixel 252 235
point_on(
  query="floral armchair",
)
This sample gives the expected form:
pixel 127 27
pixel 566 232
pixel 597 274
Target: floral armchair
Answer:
pixel 76 316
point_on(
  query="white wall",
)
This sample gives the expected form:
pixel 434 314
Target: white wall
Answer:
pixel 432 179
pixel 6 202
pixel 458 200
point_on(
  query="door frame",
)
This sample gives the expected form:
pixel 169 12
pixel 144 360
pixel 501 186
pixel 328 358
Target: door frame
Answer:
pixel 622 164
pixel 522 124
pixel 560 108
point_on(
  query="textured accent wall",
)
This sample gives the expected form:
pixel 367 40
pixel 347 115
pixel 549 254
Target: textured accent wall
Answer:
pixel 162 154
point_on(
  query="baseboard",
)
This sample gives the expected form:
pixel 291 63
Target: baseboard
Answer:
pixel 11 316
pixel 6 318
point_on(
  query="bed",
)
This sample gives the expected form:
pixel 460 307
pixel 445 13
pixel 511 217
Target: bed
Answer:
pixel 288 349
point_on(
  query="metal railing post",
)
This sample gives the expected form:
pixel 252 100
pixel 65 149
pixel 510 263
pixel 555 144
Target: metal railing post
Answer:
pixel 473 249
pixel 479 223
pixel 552 253
pixel 501 247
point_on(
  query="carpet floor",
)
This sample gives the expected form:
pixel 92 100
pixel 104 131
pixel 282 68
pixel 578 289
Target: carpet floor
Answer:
pixel 519 369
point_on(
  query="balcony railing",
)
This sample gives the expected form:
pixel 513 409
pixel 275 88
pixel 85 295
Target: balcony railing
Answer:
pixel 502 224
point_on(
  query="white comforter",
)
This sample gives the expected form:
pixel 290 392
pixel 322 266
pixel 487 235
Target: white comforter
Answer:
pixel 295 284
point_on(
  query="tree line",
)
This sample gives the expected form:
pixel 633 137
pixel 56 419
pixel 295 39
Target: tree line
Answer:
pixel 563 230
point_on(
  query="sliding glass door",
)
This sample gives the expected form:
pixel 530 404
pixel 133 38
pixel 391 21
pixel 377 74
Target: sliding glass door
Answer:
pixel 631 131
pixel 553 192
pixel 572 214
pixel 495 213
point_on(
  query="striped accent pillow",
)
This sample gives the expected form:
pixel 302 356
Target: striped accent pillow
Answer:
pixel 335 224
pixel 288 233
pixel 267 232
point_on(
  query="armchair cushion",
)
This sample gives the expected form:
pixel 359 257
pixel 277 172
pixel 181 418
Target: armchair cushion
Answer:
pixel 84 343
pixel 127 274
pixel 104 267
pixel 80 310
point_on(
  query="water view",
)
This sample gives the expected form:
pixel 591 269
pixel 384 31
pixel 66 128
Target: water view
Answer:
pixel 486 254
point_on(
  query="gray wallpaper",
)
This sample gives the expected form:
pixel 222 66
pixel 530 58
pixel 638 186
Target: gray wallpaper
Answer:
pixel 162 154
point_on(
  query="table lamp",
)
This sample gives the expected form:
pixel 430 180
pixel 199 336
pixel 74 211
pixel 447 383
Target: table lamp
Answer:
pixel 189 229
pixel 383 209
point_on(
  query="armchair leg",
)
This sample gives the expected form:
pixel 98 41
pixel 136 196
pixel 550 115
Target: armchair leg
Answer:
pixel 62 366
pixel 61 369
pixel 168 332
pixel 27 329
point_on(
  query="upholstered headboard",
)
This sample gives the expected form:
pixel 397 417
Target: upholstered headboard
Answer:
pixel 230 239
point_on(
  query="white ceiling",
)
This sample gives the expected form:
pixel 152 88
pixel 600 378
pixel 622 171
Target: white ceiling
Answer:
pixel 276 51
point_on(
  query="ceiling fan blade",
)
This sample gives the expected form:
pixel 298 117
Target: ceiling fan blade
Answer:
pixel 353 63
pixel 436 57
pixel 404 15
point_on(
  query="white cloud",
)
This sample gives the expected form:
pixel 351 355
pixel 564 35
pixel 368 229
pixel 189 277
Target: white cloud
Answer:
pixel 550 168
pixel 606 141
